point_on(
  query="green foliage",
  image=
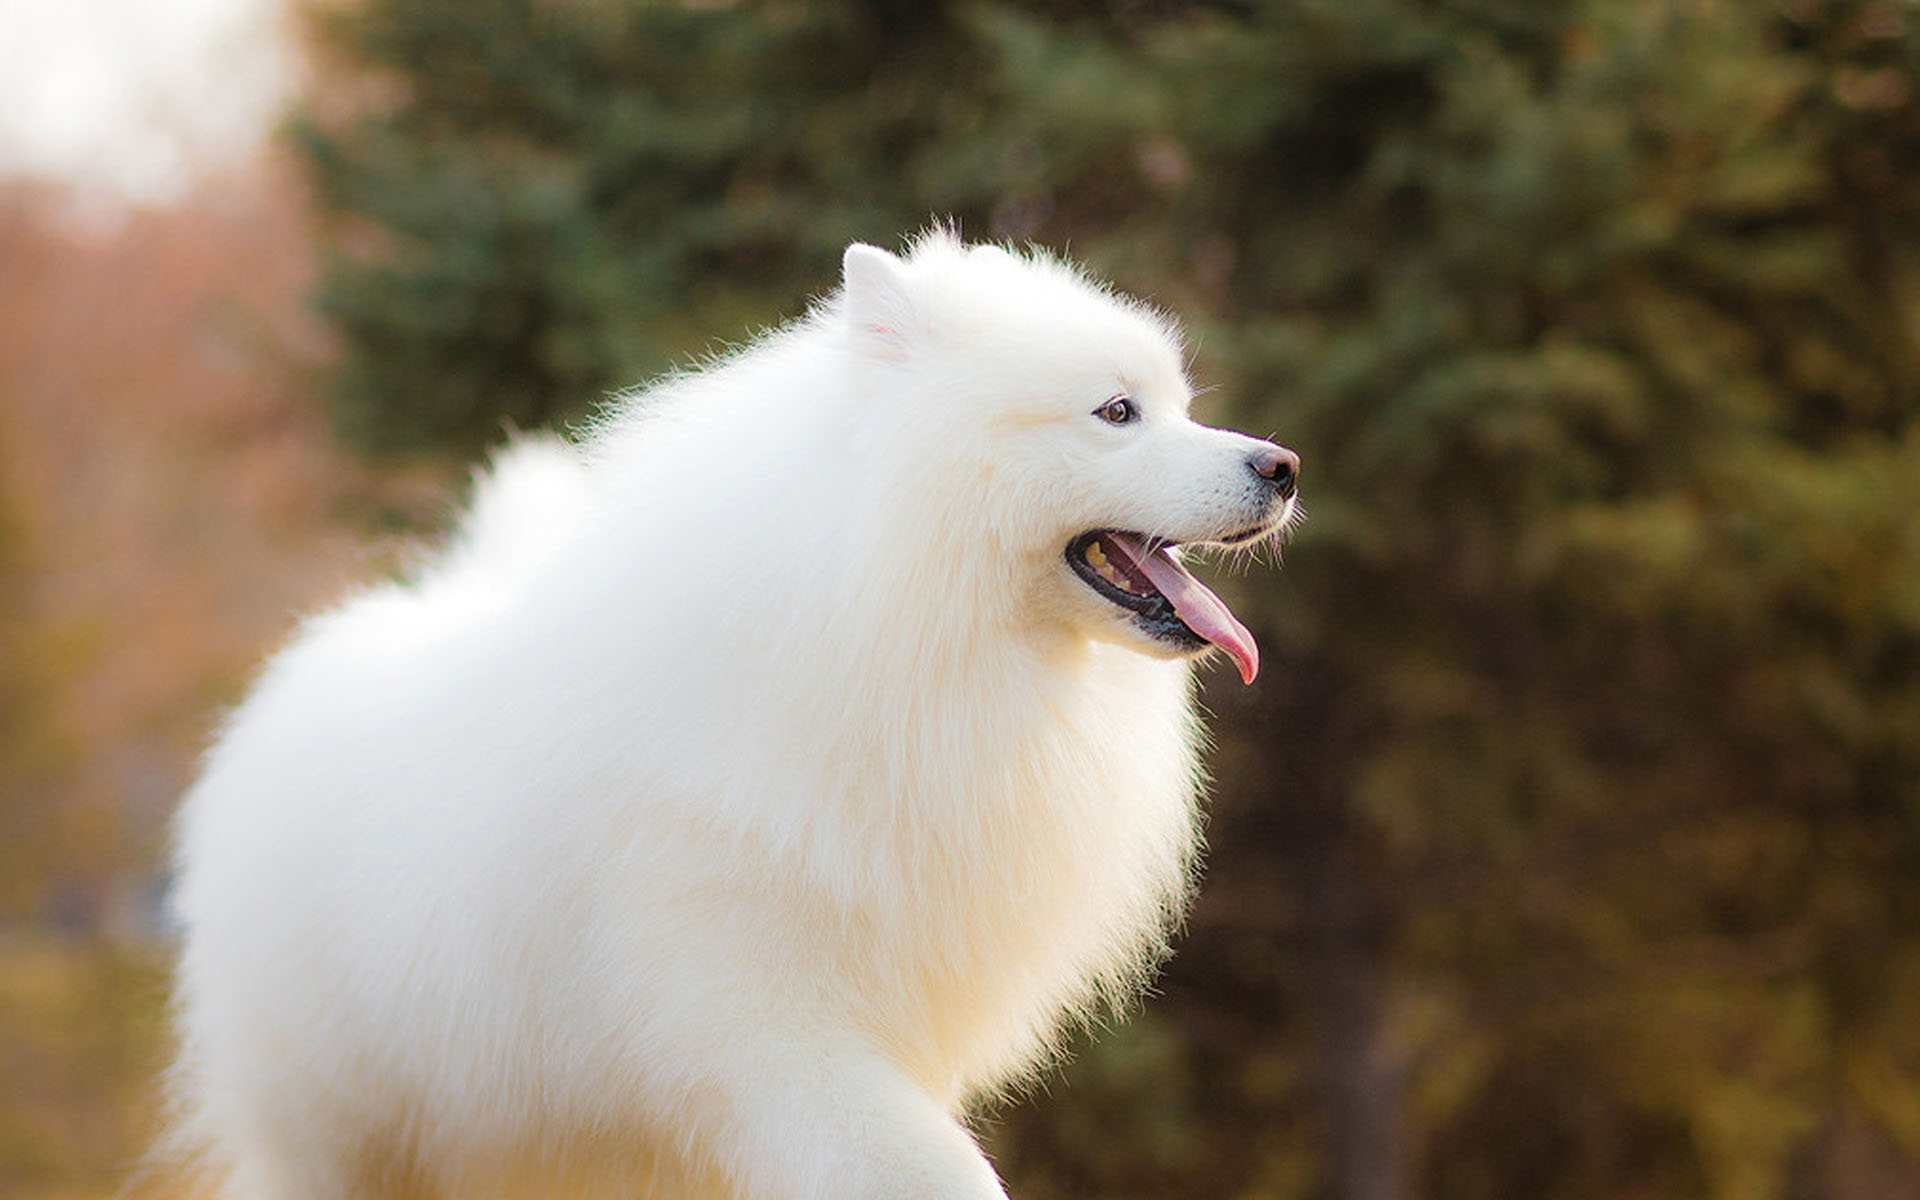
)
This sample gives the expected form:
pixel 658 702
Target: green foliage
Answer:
pixel 1568 847
pixel 572 196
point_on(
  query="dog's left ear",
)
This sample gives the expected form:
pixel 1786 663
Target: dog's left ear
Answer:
pixel 878 299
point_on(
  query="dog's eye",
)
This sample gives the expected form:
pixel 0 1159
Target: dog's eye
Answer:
pixel 1117 411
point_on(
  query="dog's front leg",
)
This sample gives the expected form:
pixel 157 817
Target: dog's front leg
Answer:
pixel 847 1126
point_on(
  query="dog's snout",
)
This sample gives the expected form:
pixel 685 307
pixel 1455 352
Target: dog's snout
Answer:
pixel 1278 466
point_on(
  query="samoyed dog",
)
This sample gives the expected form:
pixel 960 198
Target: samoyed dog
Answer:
pixel 745 791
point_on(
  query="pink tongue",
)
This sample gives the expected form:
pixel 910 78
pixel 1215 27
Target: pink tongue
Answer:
pixel 1205 613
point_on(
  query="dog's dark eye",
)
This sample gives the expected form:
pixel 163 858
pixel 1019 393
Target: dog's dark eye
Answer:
pixel 1117 411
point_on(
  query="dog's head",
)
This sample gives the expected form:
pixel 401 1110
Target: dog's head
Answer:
pixel 1062 410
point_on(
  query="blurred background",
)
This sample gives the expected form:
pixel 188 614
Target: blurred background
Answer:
pixel 1569 845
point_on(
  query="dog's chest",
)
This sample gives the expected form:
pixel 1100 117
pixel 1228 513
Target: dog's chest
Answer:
pixel 1040 881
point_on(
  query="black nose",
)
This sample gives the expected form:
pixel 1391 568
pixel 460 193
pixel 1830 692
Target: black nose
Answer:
pixel 1278 466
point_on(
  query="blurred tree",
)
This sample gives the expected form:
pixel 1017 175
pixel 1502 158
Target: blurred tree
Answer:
pixel 22 768
pixel 1568 847
pixel 1594 788
pixel 573 195
pixel 165 503
pixel 168 498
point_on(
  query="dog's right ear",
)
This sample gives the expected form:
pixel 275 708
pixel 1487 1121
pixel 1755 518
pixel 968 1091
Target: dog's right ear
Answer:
pixel 877 299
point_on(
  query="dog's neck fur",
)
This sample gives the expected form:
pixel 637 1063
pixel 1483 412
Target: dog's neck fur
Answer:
pixel 1010 910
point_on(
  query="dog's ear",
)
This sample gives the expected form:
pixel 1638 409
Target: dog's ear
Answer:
pixel 878 299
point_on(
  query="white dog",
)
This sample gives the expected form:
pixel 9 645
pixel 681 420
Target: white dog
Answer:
pixel 744 793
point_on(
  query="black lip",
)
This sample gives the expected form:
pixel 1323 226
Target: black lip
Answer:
pixel 1153 613
pixel 1247 536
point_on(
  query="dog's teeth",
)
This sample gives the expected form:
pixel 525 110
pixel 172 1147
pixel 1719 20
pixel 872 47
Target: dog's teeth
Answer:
pixel 1107 573
pixel 1096 556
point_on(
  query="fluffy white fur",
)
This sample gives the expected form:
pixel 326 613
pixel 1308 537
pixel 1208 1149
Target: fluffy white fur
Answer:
pixel 739 795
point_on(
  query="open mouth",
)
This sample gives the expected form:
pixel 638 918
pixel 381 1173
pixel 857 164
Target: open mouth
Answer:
pixel 1142 576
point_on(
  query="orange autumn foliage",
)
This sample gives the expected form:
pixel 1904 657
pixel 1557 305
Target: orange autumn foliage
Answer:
pixel 169 503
